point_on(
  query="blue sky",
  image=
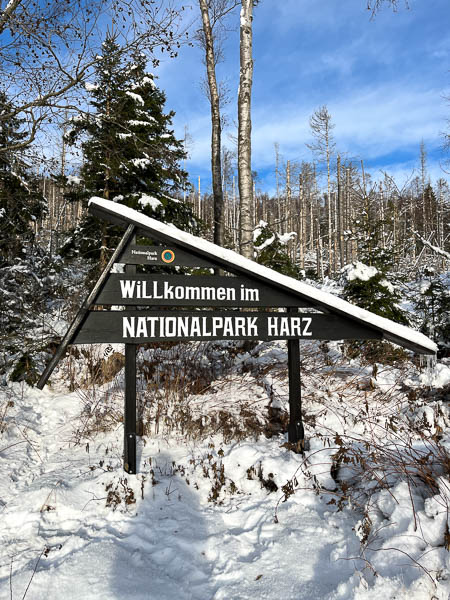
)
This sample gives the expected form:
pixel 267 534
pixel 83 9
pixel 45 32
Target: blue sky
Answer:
pixel 384 81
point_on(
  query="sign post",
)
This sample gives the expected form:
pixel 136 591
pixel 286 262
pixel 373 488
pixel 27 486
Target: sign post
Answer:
pixel 130 399
pixel 130 409
pixel 296 433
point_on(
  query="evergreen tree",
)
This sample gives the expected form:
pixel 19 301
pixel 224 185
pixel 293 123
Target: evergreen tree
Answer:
pixel 433 303
pixel 130 152
pixel 368 287
pixel 429 209
pixel 27 275
pixel 368 232
pixel 270 249
pixel 369 282
pixel 21 202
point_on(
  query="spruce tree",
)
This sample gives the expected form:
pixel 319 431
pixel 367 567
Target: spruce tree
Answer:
pixel 21 202
pixel 368 287
pixel 130 152
pixel 27 276
pixel 370 282
pixel 270 250
pixel 433 304
pixel 368 233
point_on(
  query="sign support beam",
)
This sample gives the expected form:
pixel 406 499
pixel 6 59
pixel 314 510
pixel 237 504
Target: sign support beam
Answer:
pixel 296 434
pixel 130 410
pixel 130 400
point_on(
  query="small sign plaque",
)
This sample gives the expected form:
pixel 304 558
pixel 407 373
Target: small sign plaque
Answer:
pixel 167 256
pixel 135 254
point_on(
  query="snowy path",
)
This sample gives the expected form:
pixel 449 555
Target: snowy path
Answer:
pixel 174 546
pixel 59 537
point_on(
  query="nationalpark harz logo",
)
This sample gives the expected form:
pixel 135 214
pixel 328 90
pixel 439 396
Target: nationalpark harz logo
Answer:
pixel 167 256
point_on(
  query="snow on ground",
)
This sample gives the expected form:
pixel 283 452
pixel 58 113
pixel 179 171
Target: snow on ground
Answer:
pixel 224 515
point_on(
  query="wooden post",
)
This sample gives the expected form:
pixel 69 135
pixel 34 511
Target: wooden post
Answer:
pixel 130 400
pixel 296 434
pixel 130 409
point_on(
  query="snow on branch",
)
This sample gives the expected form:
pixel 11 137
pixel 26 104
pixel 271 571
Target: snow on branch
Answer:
pixel 435 249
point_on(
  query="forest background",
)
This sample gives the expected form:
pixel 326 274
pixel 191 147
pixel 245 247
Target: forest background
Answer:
pixel 342 160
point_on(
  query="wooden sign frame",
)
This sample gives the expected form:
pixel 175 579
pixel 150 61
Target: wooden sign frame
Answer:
pixel 246 287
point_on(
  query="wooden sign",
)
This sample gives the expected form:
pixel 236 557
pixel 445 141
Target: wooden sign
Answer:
pixel 252 285
pixel 183 290
pixel 171 255
pixel 143 326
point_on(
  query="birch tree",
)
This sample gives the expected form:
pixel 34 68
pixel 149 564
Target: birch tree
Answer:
pixel 212 12
pixel 245 181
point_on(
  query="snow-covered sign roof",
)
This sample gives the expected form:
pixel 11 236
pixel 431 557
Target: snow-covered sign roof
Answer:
pixel 235 263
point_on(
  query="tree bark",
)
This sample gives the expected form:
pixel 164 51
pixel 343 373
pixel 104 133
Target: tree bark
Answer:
pixel 302 223
pixel 245 130
pixel 216 164
pixel 340 212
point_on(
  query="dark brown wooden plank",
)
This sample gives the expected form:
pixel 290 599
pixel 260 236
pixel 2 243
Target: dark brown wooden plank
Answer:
pixel 141 326
pixel 130 410
pixel 199 291
pixel 129 416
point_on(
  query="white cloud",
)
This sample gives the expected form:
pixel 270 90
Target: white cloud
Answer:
pixel 388 118
pixel 369 123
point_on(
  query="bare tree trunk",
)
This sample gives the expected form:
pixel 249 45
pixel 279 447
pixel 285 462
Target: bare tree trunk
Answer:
pixel 382 217
pixel 394 225
pixel 329 210
pixel 354 243
pixel 302 223
pixel 340 214
pixel 348 218
pixel 277 178
pixel 286 225
pixel 412 225
pixel 245 130
pixel 319 251
pixel 323 147
pixel 423 173
pixel 440 219
pixel 320 260
pixel 237 218
pixel 199 199
pixel 311 222
pixel 216 166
